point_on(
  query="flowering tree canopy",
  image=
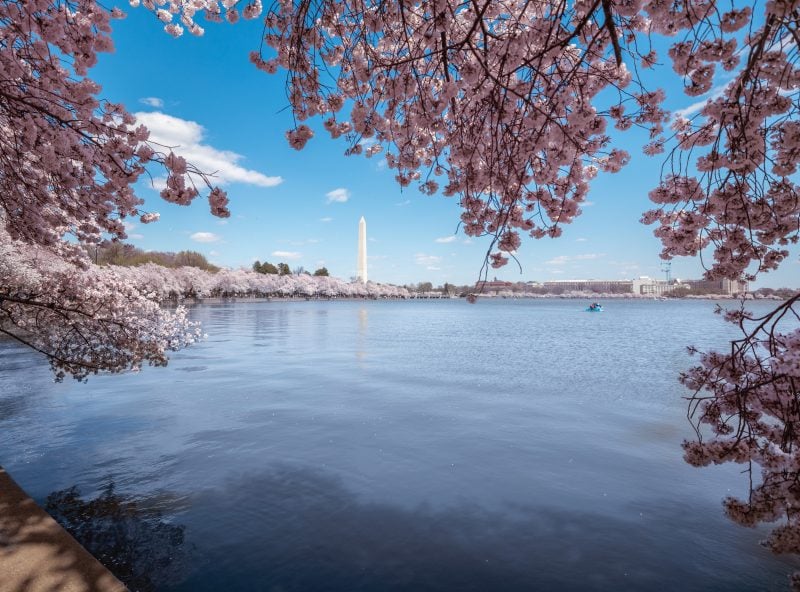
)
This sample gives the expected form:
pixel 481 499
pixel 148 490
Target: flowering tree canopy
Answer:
pixel 508 105
pixel 67 165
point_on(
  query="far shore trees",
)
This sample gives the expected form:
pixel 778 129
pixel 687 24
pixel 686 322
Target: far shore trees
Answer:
pixel 269 268
pixel 266 268
pixel 119 253
pixel 505 105
pixel 177 284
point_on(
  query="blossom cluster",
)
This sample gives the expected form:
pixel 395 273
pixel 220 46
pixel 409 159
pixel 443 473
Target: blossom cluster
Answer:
pixel 176 284
pixel 732 184
pixel 68 163
pixel 746 409
pixel 85 320
pixel 68 160
pixel 491 101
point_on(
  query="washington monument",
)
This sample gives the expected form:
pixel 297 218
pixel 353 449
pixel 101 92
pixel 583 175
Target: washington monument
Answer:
pixel 362 250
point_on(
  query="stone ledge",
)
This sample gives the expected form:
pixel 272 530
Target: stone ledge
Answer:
pixel 37 555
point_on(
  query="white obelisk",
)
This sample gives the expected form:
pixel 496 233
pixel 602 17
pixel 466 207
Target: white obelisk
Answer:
pixel 362 250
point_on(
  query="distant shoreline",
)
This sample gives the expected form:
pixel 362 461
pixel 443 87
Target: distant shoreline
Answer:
pixel 232 299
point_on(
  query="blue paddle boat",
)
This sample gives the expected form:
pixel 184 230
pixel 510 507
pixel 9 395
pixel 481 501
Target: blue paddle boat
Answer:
pixel 595 307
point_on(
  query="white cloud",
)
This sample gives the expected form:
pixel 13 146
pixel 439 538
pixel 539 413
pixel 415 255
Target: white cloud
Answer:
pixel 339 195
pixel 152 102
pixel 129 226
pixel 427 260
pixel 292 255
pixel 185 138
pixel 433 268
pixel 326 219
pixel 562 259
pixel 158 183
pixel 694 108
pixel 205 237
pixel 466 241
pixel 446 239
pixel 403 203
pixel 581 240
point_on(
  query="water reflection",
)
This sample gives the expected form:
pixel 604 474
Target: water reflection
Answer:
pixel 300 529
pixel 129 537
pixel 515 467
pixel 775 499
pixel 363 327
pixel 14 405
pixel 18 396
pixel 267 324
pixel 363 321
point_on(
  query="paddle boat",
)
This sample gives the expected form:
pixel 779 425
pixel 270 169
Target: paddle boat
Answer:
pixel 595 307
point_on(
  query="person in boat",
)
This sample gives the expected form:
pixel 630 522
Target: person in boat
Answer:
pixel 595 306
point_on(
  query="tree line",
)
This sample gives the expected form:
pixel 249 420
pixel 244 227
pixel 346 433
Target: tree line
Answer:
pixel 124 254
pixel 283 269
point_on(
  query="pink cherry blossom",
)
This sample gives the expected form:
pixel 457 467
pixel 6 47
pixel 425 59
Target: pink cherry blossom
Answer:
pixel 68 164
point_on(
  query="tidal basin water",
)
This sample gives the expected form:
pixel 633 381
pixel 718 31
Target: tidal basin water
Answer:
pixel 383 446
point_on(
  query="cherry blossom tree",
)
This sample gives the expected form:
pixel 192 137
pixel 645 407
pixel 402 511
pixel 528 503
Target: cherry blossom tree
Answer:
pixel 747 400
pixel 508 106
pixel 85 320
pixel 162 284
pixel 68 162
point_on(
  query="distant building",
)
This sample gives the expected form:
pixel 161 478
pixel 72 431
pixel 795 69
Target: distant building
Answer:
pixel 598 286
pixel 493 286
pixel 651 287
pixel 643 286
pixel 723 286
pixel 647 286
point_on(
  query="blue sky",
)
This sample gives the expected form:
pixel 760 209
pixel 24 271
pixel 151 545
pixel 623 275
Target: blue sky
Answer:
pixel 303 207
